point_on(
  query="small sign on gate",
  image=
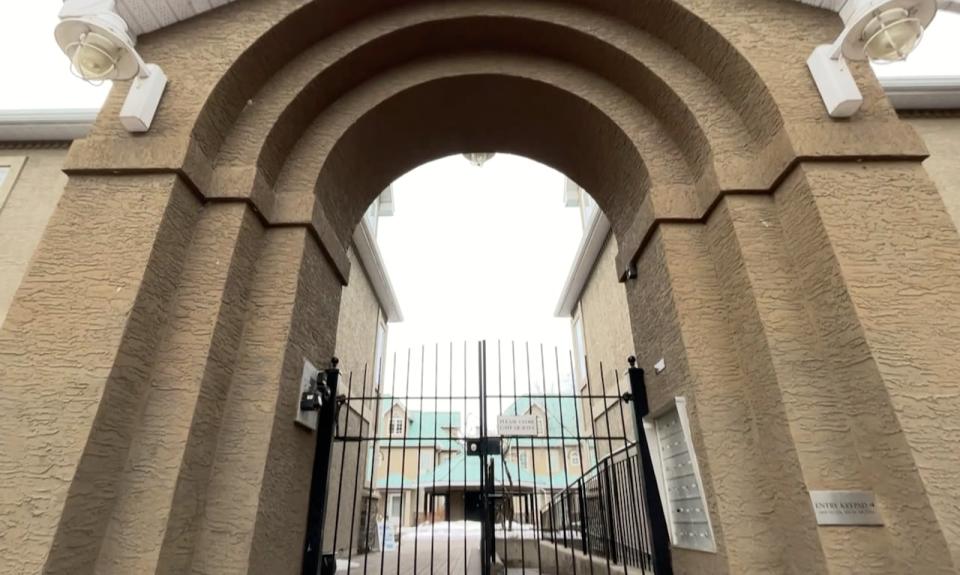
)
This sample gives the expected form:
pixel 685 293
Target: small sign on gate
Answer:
pixel 517 425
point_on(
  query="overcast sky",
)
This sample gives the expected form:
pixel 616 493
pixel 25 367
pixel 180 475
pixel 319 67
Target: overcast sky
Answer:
pixel 479 253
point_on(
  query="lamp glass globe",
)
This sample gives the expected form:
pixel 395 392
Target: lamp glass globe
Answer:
pixel 96 56
pixel 891 35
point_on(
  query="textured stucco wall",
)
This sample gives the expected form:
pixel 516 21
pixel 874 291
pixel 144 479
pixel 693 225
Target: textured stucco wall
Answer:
pixel 941 134
pixel 609 342
pixel 346 500
pixel 25 214
pixel 356 345
pixel 714 301
pixel 797 273
pixel 357 330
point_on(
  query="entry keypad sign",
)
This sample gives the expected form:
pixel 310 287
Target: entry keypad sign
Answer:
pixel 845 508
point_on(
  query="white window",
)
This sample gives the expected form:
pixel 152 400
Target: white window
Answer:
pixel 574 457
pixel 379 346
pixel 396 426
pixel 588 208
pixel 678 479
pixel 522 459
pixel 372 216
pixel 9 170
pixel 579 350
pixel 394 507
pixel 541 426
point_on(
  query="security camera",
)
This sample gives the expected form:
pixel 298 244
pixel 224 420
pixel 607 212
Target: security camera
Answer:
pixel 100 47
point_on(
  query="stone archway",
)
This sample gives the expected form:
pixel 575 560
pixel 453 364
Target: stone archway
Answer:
pixel 152 355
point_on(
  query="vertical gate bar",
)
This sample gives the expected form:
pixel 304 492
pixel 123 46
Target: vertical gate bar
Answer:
pixel 356 479
pixel 508 495
pixel 639 528
pixel 326 426
pixel 516 409
pixel 658 521
pixel 546 429
pixel 584 531
pixel 448 508
pixel 485 500
pixel 563 451
pixel 537 530
pixel 465 460
pixel 343 459
pixel 611 513
pixel 419 440
pixel 403 463
pixel 386 485
pixel 436 451
pixel 581 489
pixel 614 487
pixel 596 448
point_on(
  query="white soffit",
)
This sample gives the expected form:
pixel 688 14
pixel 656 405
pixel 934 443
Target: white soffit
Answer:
pixel 369 254
pixel 835 5
pixel 588 252
pixel 145 16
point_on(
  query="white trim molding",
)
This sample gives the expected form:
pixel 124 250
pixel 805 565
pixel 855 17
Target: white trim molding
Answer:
pixel 836 5
pixel 589 250
pixel 369 254
pixel 62 125
pixel 923 93
pixel 13 166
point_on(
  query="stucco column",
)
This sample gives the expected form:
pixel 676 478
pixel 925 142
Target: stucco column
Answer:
pixel 150 367
pixel 805 329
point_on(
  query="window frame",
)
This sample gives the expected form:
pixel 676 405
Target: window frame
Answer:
pixel 14 165
pixel 579 349
pixel 379 349
pixel 393 421
pixel 391 497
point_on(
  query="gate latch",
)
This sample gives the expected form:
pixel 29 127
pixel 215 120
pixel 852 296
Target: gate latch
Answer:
pixel 312 399
pixel 314 394
pixel 483 446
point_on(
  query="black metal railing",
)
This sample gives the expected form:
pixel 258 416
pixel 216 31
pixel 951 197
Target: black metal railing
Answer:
pixel 604 512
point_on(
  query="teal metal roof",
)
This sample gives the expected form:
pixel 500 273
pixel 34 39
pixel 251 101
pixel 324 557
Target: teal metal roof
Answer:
pixel 396 481
pixel 423 426
pixel 465 471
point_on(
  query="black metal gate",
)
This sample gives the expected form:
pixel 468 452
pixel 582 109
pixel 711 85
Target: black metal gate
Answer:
pixel 480 458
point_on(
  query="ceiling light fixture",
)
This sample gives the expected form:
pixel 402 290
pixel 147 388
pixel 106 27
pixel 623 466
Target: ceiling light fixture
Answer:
pixel 101 47
pixel 478 159
pixel 877 30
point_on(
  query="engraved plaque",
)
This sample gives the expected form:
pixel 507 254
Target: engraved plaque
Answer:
pixel 845 508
